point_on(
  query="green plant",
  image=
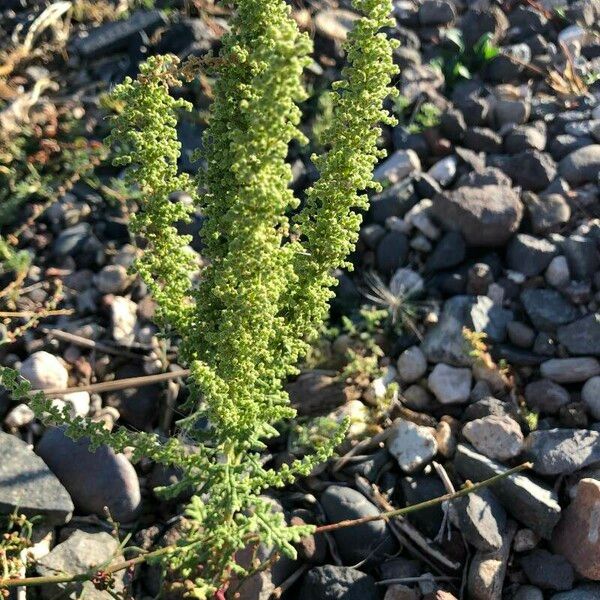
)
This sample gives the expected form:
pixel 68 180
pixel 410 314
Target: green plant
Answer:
pixel 264 293
pixel 13 260
pixel 43 160
pixel 461 62
pixel 16 535
pixel 423 116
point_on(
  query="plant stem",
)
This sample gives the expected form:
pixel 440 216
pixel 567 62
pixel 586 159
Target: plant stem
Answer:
pixel 126 564
pixel 426 504
pixel 88 575
pixel 117 384
pixel 23 314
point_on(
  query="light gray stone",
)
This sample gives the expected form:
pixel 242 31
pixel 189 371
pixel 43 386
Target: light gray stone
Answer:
pixel 112 279
pixel 450 385
pixel 44 371
pixel 413 446
pixel 557 274
pixel 497 437
pixel 412 365
pixel 79 553
pixel 397 166
pixel 124 319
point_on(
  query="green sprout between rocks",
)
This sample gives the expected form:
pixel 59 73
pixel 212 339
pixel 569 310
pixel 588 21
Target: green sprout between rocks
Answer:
pixel 264 292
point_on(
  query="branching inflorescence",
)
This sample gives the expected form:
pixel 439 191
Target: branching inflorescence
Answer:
pixel 265 290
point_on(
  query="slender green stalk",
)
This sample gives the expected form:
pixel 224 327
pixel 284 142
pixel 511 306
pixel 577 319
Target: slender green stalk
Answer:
pixel 171 550
pixel 399 512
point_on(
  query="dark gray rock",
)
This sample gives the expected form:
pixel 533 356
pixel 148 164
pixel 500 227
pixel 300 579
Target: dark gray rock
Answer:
pixel 487 407
pixel 546 397
pixel 79 553
pixel 467 96
pixel 94 480
pixel 562 451
pixel 372 234
pixel 485 216
pixel 392 251
pixel 481 519
pixel 479 278
pixel 582 336
pixel 579 292
pixel 544 344
pixel 137 406
pixel 482 139
pixel 355 544
pixel 532 504
pixel 337 583
pixel 527 19
pixel 186 36
pixel 449 252
pixel 484 176
pixel 548 571
pixel 520 335
pixel 502 69
pixel 117 35
pixel 532 170
pixel 445 342
pixel 547 213
pixel 452 124
pixel 425 185
pixel 420 488
pixel 582 165
pixel 523 138
pixel 28 484
pixel 564 144
pixel 528 592
pixel 585 591
pixel 436 12
pixel 508 111
pixel 72 239
pixel 394 201
pixel 529 255
pixel 548 309
pixel 517 356
pixel 582 256
pixel 478 21
pixel 570 370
